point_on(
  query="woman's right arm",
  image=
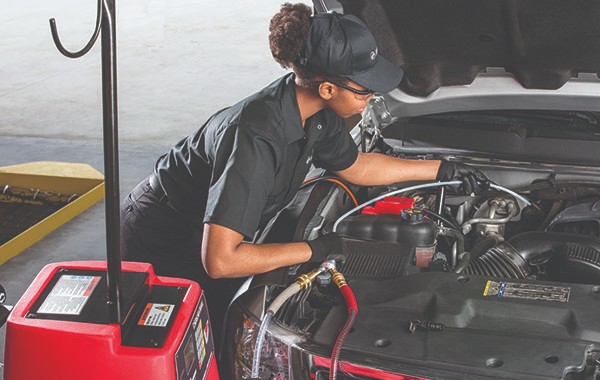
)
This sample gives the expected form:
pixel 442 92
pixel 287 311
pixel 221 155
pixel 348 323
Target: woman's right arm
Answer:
pixel 226 255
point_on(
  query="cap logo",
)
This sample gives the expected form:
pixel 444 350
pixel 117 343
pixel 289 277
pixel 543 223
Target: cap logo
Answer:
pixel 373 54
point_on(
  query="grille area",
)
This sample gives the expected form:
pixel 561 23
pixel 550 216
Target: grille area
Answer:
pixel 583 253
pixel 368 260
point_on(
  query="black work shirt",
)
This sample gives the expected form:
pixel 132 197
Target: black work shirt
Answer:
pixel 248 161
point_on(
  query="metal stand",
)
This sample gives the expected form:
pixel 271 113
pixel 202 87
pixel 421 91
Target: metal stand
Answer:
pixel 106 22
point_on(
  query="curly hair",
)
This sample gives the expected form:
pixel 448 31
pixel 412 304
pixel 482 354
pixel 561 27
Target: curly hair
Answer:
pixel 289 30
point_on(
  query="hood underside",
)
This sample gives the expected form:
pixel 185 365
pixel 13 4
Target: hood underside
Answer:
pixel 542 44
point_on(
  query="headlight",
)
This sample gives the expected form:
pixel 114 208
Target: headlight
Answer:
pixel 274 363
pixel 282 358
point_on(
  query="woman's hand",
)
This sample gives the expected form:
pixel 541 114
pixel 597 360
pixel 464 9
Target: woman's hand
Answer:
pixel 473 181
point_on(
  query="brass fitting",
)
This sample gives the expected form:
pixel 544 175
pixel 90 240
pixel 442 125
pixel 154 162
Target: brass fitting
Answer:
pixel 337 277
pixel 306 280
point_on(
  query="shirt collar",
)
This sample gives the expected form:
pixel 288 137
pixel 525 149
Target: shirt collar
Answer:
pixel 292 121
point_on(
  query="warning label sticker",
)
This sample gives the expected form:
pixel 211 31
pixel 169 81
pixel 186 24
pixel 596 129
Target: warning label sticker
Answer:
pixel 527 291
pixel 69 295
pixel 156 314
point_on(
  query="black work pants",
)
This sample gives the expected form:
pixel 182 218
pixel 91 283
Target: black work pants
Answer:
pixel 154 232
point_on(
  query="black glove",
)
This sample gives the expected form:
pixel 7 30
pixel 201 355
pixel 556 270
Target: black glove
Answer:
pixel 473 181
pixel 327 247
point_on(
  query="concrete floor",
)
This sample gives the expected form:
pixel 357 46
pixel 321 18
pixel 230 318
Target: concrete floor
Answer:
pixel 178 62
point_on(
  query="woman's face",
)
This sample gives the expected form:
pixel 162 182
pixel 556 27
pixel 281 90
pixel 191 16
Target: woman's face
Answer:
pixel 346 99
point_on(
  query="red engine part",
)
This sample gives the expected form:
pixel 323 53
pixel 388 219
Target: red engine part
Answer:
pixel 389 205
pixel 45 339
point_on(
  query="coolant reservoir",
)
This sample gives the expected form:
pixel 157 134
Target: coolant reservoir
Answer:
pixel 411 227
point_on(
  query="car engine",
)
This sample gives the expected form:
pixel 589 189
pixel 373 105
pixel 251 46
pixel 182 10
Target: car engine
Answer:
pixel 476 285
pixel 493 235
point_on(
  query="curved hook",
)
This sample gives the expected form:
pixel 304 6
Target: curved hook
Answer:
pixel 90 43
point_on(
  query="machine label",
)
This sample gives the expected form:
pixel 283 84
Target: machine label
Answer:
pixel 156 314
pixel 527 291
pixel 69 295
pixel 194 355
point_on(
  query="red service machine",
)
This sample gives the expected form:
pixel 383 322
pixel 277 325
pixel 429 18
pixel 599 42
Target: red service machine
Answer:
pixel 60 328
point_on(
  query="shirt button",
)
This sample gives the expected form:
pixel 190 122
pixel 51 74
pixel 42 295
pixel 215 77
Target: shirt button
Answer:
pixel 319 126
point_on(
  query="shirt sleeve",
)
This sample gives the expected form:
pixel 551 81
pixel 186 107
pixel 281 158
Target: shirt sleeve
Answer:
pixel 335 150
pixel 242 178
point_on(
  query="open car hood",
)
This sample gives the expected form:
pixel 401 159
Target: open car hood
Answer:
pixel 472 54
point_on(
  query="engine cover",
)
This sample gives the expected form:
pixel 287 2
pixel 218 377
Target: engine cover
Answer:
pixel 483 326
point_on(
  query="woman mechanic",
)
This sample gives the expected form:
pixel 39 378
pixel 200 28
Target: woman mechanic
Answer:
pixel 196 215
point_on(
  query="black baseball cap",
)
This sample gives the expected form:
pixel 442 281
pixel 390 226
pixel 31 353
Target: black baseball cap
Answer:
pixel 342 46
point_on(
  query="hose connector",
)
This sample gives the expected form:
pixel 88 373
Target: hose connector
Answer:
pixel 338 278
pixel 306 280
pixel 327 265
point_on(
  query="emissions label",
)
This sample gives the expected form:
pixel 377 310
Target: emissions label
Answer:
pixel 69 295
pixel 527 291
pixel 156 314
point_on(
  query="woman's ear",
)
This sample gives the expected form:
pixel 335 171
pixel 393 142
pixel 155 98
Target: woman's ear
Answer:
pixel 327 90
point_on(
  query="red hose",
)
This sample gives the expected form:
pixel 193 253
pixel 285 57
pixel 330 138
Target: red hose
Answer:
pixel 339 342
pixel 349 298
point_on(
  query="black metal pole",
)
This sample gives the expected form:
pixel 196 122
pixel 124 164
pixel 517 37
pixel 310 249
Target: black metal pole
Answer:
pixel 106 22
pixel 111 158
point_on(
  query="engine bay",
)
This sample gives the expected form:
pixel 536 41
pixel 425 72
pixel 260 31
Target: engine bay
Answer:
pixel 507 281
pixel 500 284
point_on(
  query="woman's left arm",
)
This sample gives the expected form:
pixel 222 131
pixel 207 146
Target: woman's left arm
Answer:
pixel 373 169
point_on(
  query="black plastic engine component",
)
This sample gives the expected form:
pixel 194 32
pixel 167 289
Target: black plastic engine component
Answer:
pixel 377 260
pixel 564 257
pixel 500 261
pixel 493 328
pixel 581 218
pixel 409 228
pixel 390 228
pixel 578 263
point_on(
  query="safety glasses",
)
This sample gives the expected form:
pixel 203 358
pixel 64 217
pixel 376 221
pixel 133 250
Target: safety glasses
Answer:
pixel 358 94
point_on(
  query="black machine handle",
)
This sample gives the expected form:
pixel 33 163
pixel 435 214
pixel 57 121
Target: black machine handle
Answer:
pixel 4 310
pixel 90 43
pixel 106 22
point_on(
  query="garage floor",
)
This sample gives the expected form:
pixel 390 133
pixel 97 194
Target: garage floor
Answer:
pixel 179 61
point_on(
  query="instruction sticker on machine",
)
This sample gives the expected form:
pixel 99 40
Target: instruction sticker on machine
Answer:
pixel 69 295
pixel 156 314
pixel 527 291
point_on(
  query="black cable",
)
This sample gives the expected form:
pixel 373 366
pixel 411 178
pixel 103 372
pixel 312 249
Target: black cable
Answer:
pixel 440 217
